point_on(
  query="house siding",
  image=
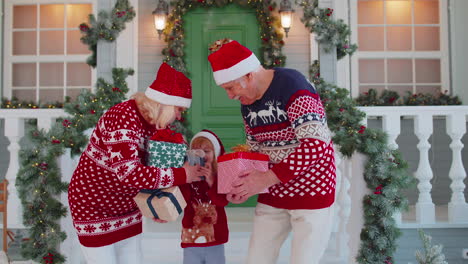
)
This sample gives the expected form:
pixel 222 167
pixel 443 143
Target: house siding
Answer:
pixel 453 240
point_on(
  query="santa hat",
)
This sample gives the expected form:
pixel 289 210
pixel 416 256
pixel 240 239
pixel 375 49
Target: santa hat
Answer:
pixel 232 61
pixel 171 87
pixel 218 146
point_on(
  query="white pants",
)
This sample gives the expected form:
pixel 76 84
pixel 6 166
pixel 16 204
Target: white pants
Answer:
pixel 123 252
pixel 311 231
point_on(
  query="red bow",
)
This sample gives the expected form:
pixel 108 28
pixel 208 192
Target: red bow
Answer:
pixel 168 135
pixel 378 189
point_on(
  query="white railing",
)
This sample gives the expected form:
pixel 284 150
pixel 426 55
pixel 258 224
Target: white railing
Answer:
pixel 423 116
pixel 14 131
pixel 350 184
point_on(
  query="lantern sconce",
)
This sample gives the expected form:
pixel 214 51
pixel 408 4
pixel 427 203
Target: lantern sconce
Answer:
pixel 286 13
pixel 160 16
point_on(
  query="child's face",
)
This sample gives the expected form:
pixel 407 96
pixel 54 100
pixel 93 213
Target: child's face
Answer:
pixel 209 152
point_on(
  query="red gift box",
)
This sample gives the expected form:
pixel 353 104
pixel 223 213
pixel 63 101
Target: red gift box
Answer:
pixel 231 166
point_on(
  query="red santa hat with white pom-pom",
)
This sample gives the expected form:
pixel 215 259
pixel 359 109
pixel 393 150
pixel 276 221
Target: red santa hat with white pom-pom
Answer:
pixel 231 60
pixel 171 87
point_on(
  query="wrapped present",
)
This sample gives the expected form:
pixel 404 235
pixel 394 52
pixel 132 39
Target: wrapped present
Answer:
pixel 166 149
pixel 231 166
pixel 165 204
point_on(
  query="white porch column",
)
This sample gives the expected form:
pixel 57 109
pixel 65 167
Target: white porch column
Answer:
pixel 344 201
pixel 14 131
pixel 425 209
pixel 127 49
pixel 392 126
pixel 328 60
pixel 457 207
pixel 70 246
pixel 106 51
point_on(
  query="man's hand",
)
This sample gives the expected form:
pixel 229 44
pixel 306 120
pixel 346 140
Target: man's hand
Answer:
pixel 252 182
pixel 159 220
pixel 236 199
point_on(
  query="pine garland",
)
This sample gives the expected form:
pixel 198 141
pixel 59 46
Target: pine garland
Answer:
pixel 270 30
pixel 106 27
pixel 328 32
pixel 39 181
pixel 14 103
pixel 385 173
pixel 392 98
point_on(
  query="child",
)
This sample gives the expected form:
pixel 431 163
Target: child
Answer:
pixel 204 226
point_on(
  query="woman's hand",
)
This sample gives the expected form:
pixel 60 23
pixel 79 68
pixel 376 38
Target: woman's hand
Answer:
pixel 159 220
pixel 193 173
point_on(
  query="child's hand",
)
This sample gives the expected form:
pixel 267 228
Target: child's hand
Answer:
pixel 159 220
pixel 209 176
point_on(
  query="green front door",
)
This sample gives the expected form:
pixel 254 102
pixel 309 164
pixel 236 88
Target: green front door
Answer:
pixel 211 108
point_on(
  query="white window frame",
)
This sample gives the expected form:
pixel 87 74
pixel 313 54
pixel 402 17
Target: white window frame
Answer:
pixel 442 54
pixel 10 59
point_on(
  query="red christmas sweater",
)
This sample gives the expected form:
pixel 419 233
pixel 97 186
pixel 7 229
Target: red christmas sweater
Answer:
pixel 289 125
pixel 204 223
pixel 110 173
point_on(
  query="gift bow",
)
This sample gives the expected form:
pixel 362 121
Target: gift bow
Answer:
pixel 158 193
pixel 168 135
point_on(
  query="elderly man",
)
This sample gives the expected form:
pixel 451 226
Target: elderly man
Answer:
pixel 285 119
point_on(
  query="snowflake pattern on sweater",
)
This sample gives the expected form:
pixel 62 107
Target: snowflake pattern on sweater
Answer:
pixel 289 125
pixel 110 173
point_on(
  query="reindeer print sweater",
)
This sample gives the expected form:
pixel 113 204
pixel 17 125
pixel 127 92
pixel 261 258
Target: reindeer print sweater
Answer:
pixel 289 124
pixel 204 223
pixel 110 173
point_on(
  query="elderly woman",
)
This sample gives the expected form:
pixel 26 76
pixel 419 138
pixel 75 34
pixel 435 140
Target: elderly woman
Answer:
pixel 111 170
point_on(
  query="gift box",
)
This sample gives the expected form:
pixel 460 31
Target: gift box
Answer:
pixel 166 149
pixel 165 204
pixel 231 166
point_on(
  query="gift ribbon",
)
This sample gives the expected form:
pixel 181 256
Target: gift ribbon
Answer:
pixel 158 193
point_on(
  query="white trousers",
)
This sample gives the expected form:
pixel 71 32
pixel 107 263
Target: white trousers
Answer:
pixel 123 252
pixel 311 231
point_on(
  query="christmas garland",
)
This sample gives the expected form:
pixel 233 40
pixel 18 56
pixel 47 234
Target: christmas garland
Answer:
pixel 14 103
pixel 328 32
pixel 106 27
pixel 392 98
pixel 385 172
pixel 270 30
pixel 39 181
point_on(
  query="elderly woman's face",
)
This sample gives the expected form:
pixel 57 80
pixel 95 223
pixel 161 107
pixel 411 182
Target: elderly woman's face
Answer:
pixel 177 114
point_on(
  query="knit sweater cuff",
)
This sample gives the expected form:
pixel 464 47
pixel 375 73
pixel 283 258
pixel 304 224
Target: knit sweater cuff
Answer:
pixel 180 177
pixel 282 172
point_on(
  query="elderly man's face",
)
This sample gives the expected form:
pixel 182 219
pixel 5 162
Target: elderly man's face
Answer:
pixel 246 95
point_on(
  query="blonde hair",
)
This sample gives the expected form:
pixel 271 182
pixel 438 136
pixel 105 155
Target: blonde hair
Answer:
pixel 198 141
pixel 154 112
